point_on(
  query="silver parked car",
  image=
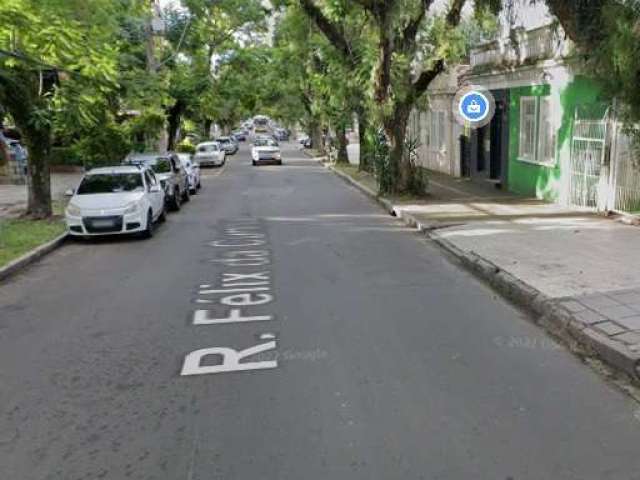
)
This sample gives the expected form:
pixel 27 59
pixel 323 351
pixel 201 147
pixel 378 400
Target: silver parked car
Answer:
pixel 210 154
pixel 193 171
pixel 169 171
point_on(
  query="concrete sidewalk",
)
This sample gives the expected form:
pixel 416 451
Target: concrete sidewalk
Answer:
pixel 577 270
pixel 13 198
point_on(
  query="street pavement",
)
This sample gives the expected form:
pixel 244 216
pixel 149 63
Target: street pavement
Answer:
pixel 376 358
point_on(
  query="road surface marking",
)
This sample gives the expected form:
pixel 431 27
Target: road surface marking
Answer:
pixel 231 360
pixel 242 287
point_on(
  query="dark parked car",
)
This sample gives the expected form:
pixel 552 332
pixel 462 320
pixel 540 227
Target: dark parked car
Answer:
pixel 228 145
pixel 240 135
pixel 281 135
pixel 169 171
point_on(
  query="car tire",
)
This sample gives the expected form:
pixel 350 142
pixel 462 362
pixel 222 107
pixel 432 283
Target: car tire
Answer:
pixel 148 231
pixel 199 186
pixel 163 216
pixel 185 195
pixel 253 162
pixel 193 191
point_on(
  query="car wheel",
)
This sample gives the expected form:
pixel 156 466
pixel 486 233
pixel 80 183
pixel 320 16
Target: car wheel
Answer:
pixel 253 162
pixel 185 195
pixel 148 231
pixel 163 216
pixel 193 191
pixel 199 186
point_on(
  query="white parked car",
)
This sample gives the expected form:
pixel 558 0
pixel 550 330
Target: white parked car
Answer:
pixel 265 150
pixel 115 200
pixel 210 154
pixel 193 171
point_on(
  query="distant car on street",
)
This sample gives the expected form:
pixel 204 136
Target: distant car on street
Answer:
pixel 266 150
pixel 19 154
pixel 240 135
pixel 169 171
pixel 210 154
pixel 115 200
pixel 193 171
pixel 228 144
pixel 305 141
pixel 281 135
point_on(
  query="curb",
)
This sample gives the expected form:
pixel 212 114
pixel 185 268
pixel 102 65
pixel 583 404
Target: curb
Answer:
pixel 386 204
pixel 555 318
pixel 320 160
pixel 34 255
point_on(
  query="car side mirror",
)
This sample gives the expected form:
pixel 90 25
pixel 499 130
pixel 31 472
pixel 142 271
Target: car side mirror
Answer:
pixel 155 189
pixel 69 193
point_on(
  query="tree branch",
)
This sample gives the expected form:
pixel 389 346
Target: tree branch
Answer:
pixel 330 31
pixel 410 31
pixel 423 81
pixel 453 16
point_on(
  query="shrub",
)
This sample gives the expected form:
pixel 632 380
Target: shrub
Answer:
pixel 186 147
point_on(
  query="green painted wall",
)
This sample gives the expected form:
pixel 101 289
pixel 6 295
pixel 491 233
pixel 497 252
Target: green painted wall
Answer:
pixel 544 181
pixel 527 178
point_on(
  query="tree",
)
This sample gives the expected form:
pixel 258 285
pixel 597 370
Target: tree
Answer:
pixel 403 70
pixel 607 35
pixel 215 30
pixel 42 76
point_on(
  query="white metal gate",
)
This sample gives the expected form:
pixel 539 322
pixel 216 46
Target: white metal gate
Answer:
pixel 625 172
pixel 588 154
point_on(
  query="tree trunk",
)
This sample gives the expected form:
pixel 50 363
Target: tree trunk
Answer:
pixel 316 137
pixel 402 172
pixel 39 176
pixel 173 124
pixel 341 134
pixel 22 101
pixel 366 160
pixel 207 128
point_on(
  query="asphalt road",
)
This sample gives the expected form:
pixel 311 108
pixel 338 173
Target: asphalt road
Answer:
pixel 377 358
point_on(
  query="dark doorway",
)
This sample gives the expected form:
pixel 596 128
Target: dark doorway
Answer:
pixel 489 146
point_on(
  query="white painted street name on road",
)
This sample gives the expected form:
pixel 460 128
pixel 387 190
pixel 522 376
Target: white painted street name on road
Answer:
pixel 245 283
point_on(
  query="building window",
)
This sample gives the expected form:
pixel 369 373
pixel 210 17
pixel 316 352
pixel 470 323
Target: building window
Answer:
pixel 537 135
pixel 546 133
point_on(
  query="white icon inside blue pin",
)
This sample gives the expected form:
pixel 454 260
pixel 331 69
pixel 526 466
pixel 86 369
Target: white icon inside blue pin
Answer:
pixel 474 106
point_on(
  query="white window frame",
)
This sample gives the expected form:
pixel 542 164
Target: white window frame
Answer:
pixel 541 106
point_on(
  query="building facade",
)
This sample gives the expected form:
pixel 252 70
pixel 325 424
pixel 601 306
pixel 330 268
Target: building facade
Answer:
pixel 553 136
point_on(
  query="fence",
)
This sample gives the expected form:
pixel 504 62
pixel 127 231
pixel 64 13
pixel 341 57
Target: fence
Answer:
pixel 604 167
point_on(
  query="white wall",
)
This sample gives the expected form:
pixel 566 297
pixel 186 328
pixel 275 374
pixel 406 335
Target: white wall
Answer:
pixel 523 14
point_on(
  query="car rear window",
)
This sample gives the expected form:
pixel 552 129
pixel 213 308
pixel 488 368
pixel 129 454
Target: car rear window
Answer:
pixel 160 165
pixel 208 148
pixel 265 142
pixel 111 183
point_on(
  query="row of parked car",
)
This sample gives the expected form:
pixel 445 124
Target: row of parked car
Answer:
pixel 133 197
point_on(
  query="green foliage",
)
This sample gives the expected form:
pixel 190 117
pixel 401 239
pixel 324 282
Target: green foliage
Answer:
pixel 186 147
pixel 616 62
pixel 103 145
